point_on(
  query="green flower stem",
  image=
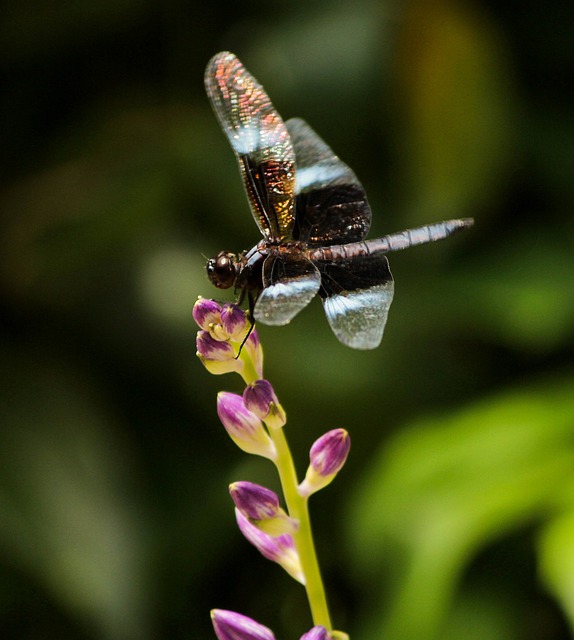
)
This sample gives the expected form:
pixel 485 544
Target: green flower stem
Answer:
pixel 249 374
pixel 303 539
pixel 298 509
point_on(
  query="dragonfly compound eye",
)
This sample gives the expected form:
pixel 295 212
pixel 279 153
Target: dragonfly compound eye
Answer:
pixel 221 270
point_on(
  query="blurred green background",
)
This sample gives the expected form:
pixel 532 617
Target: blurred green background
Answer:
pixel 454 518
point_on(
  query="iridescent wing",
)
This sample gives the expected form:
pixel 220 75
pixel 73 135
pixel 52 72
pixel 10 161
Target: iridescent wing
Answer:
pixel 331 204
pixel 290 282
pixel 357 293
pixel 260 140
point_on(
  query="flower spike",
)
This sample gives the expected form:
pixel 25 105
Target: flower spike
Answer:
pixel 229 625
pixel 244 427
pixel 328 455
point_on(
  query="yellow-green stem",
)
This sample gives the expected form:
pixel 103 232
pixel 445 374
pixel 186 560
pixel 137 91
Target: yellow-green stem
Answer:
pixel 249 374
pixel 298 509
pixel 303 538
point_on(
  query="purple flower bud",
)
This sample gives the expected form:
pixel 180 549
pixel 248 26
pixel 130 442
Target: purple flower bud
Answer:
pixel 260 398
pixel 233 321
pixel 223 323
pixel 206 312
pixel 329 452
pixel 217 357
pixel 211 349
pixel 244 427
pixel 261 507
pixel 316 633
pixel 254 501
pixel 327 456
pixel 280 549
pixel 229 625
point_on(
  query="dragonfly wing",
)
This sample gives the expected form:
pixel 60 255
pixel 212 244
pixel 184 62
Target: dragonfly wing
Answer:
pixel 289 285
pixel 331 204
pixel 357 295
pixel 260 140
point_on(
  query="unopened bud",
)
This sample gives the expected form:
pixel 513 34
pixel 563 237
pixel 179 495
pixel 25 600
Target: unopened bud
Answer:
pixel 261 507
pixel 243 426
pixel 234 321
pixel 260 398
pixel 327 455
pixel 229 625
pixel 206 312
pixel 316 633
pixel 279 549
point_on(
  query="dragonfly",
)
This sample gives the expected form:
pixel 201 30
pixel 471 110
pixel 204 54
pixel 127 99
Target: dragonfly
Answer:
pixel 313 215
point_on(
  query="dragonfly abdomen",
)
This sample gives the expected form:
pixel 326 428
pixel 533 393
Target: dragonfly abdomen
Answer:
pixel 392 242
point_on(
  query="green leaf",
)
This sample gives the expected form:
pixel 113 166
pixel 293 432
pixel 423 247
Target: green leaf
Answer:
pixel 444 488
pixel 557 558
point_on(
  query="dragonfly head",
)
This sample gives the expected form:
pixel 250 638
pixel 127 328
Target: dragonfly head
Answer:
pixel 221 270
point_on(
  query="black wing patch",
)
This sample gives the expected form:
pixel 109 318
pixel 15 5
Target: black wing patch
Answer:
pixel 289 285
pixel 331 205
pixel 357 295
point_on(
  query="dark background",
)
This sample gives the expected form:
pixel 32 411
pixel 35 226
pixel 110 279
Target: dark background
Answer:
pixel 454 517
